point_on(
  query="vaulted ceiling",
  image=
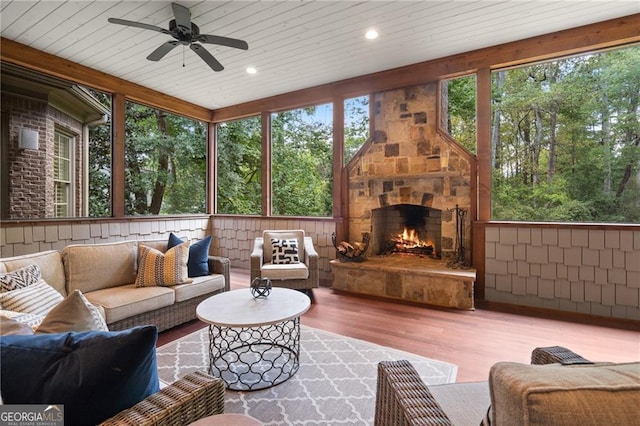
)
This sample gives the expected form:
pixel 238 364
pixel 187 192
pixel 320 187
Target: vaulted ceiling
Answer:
pixel 292 44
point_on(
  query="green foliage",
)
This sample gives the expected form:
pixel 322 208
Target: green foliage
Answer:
pixel 165 157
pixel 569 135
pixel 356 125
pixel 461 93
pixel 302 163
pixel 100 163
pixel 239 166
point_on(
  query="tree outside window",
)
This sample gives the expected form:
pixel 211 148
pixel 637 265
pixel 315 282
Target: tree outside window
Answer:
pixel 166 162
pixel 566 138
pixel 302 161
pixel 356 125
pixel 239 166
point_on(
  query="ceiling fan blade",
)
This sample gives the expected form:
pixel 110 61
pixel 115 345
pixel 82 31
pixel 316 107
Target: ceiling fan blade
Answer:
pixel 183 17
pixel 137 25
pixel 161 51
pixel 207 57
pixel 223 41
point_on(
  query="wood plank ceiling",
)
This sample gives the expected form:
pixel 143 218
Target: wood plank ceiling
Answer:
pixel 292 44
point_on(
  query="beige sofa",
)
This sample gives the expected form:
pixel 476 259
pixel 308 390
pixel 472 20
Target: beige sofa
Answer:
pixel 559 388
pixel 106 273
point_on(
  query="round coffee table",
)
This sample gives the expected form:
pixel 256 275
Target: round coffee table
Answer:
pixel 254 343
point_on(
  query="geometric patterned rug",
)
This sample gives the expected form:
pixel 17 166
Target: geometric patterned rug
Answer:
pixel 335 385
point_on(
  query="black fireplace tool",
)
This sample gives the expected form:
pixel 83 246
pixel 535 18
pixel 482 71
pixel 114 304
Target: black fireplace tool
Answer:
pixel 459 261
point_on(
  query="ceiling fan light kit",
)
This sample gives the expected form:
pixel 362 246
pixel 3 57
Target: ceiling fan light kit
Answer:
pixel 185 33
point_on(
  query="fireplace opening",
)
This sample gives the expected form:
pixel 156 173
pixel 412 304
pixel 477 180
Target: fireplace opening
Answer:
pixel 407 229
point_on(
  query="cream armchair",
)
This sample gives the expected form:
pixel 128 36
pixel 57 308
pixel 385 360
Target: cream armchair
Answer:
pixel 287 263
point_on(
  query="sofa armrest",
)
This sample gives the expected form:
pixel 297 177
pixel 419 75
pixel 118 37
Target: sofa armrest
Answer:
pixel 556 354
pixel 193 397
pixel 402 398
pixel 221 265
pixel 256 258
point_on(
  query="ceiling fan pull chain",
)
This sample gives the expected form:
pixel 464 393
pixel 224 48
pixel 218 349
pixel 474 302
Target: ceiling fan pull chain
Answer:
pixel 183 65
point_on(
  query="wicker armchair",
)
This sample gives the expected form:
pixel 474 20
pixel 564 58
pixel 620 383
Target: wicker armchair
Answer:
pixel 302 276
pixel 194 396
pixel 402 398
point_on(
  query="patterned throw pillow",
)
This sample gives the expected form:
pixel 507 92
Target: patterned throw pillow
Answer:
pixel 37 299
pixel 29 319
pixel 162 269
pixel 284 251
pixel 75 313
pixel 20 278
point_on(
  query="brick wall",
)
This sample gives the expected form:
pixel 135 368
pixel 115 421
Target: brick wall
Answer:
pixel 569 268
pixel 31 190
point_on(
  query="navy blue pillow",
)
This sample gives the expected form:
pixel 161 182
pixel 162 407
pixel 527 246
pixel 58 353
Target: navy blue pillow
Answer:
pixel 198 262
pixel 95 374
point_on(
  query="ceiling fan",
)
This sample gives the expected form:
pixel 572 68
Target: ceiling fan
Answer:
pixel 185 33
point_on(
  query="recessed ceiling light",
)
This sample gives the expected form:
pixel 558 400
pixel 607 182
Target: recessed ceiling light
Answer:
pixel 371 34
pixel 251 70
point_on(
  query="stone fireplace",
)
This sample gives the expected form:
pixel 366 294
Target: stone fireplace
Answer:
pixel 410 175
pixel 410 162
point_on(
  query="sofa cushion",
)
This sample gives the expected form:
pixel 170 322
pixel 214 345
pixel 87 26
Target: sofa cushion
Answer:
pixel 20 278
pixel 598 394
pixel 94 374
pixel 198 262
pixel 91 267
pixel 50 263
pixel 74 313
pixel 291 271
pixel 37 299
pixel 199 287
pixel 128 300
pixel 162 269
pixel 464 403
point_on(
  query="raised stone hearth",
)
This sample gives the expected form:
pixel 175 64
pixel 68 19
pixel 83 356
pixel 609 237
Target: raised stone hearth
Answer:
pixel 406 277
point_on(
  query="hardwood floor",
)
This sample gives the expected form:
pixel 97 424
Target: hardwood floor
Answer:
pixel 473 340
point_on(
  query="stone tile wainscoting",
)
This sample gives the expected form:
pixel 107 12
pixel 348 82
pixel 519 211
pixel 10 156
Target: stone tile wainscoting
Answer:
pixel 16 239
pixel 584 269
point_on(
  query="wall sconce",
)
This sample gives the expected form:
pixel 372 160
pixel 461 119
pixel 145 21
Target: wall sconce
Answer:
pixel 444 159
pixel 28 139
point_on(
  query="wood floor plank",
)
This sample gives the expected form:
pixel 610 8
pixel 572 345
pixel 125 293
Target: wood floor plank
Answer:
pixel 473 340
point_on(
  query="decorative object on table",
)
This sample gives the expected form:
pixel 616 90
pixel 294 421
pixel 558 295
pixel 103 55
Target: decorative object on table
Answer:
pixel 260 287
pixel 354 252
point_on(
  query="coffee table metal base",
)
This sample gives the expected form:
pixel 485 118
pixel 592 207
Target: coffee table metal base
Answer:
pixel 253 358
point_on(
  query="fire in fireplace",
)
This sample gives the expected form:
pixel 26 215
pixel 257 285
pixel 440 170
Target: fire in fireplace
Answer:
pixel 408 229
pixel 408 241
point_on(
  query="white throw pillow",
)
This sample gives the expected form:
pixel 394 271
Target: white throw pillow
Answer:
pixel 37 299
pixel 74 313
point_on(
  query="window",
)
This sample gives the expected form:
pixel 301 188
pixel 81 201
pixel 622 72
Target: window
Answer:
pixel 458 110
pixel 566 140
pixel 356 125
pixel 99 164
pixel 302 161
pixel 62 175
pixel 239 166
pixel 166 162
